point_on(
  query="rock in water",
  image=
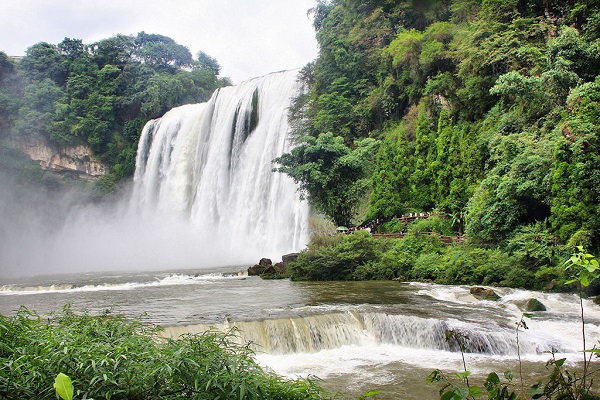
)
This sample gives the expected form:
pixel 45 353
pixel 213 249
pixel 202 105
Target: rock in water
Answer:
pixel 481 293
pixel 534 305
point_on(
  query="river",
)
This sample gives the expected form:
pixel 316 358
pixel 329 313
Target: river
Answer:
pixel 356 336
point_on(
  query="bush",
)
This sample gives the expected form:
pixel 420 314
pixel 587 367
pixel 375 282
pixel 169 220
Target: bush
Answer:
pixel 402 256
pixel 435 224
pixel 338 262
pixel 114 357
pixel 426 267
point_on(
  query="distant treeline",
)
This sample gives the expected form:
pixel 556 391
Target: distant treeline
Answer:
pixel 101 94
pixel 486 110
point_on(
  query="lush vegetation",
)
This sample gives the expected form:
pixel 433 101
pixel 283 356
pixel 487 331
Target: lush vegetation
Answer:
pixel 485 110
pixel 422 256
pixel 101 94
pixel 112 357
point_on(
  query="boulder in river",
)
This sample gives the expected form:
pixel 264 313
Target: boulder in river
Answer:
pixel 263 266
pixel 481 293
pixel 534 305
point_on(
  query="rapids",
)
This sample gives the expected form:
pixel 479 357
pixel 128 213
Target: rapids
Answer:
pixel 358 336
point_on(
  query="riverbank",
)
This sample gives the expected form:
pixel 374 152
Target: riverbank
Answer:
pixel 530 260
pixel 355 335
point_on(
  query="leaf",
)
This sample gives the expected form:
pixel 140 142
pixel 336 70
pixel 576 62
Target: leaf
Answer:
pixel 434 376
pixel 462 392
pixel 475 391
pixel 462 375
pixel 63 386
pixel 492 381
pixel 509 375
pixel 584 280
pixel 559 363
pixel 371 393
pixel 448 396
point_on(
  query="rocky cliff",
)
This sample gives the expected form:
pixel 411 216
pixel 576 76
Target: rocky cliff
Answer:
pixel 76 160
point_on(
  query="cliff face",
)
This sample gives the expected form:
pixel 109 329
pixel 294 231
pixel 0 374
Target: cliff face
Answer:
pixel 77 159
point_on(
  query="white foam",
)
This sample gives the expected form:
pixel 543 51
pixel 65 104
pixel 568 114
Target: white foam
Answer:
pixel 170 280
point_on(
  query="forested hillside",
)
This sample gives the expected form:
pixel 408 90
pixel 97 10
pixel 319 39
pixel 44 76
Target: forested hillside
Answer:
pixel 101 94
pixel 486 110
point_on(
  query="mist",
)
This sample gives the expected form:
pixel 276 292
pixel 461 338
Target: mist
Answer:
pixel 45 232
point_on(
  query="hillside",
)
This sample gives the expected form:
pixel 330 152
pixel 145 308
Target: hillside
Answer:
pixel 99 95
pixel 485 110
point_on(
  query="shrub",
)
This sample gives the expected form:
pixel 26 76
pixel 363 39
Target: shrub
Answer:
pixel 338 262
pixel 113 357
pixel 435 224
pixel 401 257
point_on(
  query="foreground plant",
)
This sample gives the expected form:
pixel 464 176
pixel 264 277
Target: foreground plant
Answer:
pixel 113 357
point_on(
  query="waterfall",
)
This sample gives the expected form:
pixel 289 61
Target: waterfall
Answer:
pixel 313 333
pixel 210 165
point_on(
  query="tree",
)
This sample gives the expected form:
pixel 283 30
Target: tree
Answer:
pixel 391 180
pixel 43 60
pixel 576 181
pixel 331 175
pixel 161 52
pixel 116 50
pixel 6 66
pixel 422 178
pixel 207 62
pixel 517 190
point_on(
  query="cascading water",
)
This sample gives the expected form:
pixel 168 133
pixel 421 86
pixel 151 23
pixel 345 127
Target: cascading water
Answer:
pixel 211 164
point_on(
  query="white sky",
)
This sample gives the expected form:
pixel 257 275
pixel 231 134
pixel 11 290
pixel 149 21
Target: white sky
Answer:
pixel 249 38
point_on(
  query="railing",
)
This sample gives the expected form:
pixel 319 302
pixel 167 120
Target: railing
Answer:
pixel 445 239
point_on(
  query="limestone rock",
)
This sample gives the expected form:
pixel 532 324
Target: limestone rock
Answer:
pixel 78 159
pixel 481 293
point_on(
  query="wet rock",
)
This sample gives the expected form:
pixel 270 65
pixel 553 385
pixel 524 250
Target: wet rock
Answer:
pixel 550 286
pixel 289 258
pixel 266 267
pixel 481 293
pixel 262 267
pixel 265 262
pixel 534 305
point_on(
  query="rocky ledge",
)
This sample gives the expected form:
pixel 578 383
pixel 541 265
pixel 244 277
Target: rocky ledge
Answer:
pixel 76 159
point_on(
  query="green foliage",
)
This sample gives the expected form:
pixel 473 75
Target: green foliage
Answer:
pixel 486 110
pixel 108 356
pixel 583 266
pixel 533 246
pixel 515 191
pixel 332 175
pixel 338 262
pixel 101 94
pixel 390 181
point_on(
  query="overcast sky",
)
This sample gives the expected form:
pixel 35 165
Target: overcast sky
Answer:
pixel 249 38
